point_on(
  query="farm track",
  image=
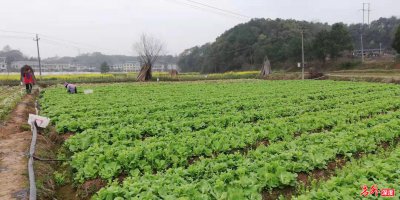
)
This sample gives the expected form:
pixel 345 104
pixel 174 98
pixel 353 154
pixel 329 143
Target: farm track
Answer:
pixel 14 144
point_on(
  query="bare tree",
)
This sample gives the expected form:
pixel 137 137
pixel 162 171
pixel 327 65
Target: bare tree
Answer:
pixel 149 49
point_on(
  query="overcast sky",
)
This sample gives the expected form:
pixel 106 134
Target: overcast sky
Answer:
pixel 70 27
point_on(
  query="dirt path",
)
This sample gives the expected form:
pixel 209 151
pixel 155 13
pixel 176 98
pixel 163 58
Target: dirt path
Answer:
pixel 14 145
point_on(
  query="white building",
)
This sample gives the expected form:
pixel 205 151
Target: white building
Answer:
pixel 162 67
pixel 157 67
pixel 169 67
pixel 135 66
pixel 55 67
pixel 84 68
pixel 3 64
pixel 17 65
pixel 131 66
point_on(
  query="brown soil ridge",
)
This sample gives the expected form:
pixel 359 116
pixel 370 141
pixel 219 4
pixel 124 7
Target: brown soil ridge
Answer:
pixel 15 138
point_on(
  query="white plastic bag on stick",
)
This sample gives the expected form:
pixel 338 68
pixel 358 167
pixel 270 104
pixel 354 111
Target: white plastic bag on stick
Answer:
pixel 42 122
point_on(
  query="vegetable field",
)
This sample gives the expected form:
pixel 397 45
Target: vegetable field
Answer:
pixel 9 96
pixel 228 139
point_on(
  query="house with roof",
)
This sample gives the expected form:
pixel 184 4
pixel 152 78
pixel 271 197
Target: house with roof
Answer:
pixel 130 66
pixel 3 64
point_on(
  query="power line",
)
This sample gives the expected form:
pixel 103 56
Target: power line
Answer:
pixel 15 37
pixel 219 9
pixel 75 43
pixel 57 43
pixel 47 41
pixel 19 32
pixel 368 10
pixel 37 43
pixel 55 39
pixel 209 9
pixel 204 9
pixel 51 37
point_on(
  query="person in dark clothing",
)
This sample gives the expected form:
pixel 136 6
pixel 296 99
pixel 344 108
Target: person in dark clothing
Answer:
pixel 28 78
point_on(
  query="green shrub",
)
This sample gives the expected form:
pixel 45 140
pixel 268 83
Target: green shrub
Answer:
pixel 349 64
pixel 59 178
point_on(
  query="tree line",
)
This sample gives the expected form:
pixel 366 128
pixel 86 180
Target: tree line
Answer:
pixel 95 59
pixel 245 46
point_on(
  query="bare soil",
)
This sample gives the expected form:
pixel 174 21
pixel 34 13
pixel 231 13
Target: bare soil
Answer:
pixel 14 144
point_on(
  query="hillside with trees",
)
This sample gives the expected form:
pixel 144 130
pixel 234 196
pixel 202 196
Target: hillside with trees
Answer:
pixel 245 46
pixel 380 31
pixel 396 42
pixel 12 55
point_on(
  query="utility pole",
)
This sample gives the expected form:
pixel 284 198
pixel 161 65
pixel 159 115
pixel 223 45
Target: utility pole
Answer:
pixel 302 54
pixel 362 48
pixel 38 52
pixel 362 29
pixel 363 10
pixel 369 10
pixel 380 48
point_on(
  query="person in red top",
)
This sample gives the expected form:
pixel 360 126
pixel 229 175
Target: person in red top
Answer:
pixel 28 78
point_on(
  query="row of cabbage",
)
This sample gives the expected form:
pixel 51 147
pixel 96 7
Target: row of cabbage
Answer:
pixel 237 176
pixel 168 129
pixel 373 176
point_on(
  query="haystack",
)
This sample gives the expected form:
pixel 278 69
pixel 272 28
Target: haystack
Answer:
pixel 173 73
pixel 144 74
pixel 266 69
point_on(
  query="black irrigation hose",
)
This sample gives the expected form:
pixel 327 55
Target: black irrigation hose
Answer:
pixel 49 160
pixel 32 157
pixel 37 107
pixel 32 183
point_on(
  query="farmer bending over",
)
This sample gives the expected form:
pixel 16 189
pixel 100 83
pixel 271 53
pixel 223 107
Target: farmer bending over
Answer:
pixel 71 88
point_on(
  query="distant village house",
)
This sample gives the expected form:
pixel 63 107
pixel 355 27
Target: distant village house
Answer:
pixel 48 67
pixel 3 64
pixel 130 66
pixel 134 66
